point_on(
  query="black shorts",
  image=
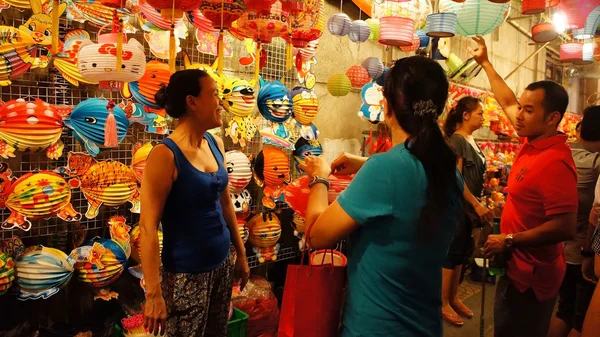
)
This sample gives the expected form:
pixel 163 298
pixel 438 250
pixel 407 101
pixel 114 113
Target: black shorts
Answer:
pixel 574 297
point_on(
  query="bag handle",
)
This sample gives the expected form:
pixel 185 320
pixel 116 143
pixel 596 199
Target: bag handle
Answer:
pixel 307 247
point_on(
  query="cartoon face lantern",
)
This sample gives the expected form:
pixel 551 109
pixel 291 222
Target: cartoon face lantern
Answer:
pixel 306 105
pixel 265 231
pixel 30 126
pixel 306 148
pixel 34 196
pixel 274 101
pixel 272 169
pixel 372 107
pixel 239 97
pixel 239 170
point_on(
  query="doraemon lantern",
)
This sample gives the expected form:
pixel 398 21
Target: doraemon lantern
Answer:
pixel 275 105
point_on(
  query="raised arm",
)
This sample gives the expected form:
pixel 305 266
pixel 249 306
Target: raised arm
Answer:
pixel 502 93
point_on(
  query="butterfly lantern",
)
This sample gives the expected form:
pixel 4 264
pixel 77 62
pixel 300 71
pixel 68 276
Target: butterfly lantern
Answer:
pixel 42 272
pixel 239 100
pixel 275 105
pixel 265 231
pixel 107 182
pixel 97 124
pixel 272 170
pixel 306 107
pixel 100 261
pixel 306 148
pixel 36 195
pixel 30 126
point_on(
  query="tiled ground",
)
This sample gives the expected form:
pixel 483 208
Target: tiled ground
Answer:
pixel 471 294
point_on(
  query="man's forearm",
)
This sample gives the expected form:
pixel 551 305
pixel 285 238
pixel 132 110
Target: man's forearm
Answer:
pixel 559 229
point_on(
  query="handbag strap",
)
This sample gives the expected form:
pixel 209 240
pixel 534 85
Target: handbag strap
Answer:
pixel 307 247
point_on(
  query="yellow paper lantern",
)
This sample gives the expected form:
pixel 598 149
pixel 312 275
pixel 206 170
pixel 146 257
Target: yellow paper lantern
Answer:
pixel 140 156
pixel 339 85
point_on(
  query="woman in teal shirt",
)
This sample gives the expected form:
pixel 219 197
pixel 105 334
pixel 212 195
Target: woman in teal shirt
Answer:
pixel 399 213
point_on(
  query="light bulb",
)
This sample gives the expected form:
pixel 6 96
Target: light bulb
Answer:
pixel 560 22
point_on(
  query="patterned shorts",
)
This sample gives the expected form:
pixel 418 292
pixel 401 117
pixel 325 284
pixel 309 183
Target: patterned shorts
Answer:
pixel 198 304
pixel 596 240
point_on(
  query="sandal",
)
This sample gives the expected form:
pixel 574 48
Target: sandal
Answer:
pixel 453 319
pixel 462 309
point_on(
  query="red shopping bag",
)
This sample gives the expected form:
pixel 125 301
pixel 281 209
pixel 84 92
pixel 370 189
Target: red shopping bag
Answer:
pixel 312 299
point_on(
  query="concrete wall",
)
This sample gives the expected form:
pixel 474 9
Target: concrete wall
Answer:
pixel 337 118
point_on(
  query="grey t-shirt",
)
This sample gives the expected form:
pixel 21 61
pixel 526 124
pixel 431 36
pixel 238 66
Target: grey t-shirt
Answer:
pixel 588 168
pixel 473 163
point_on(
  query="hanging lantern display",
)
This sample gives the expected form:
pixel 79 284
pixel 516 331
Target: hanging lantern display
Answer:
pixel 306 148
pixel 157 74
pixel 139 158
pixel 571 51
pixel 416 10
pixel 7 272
pixel 265 231
pixel 307 25
pixel 263 26
pixel 423 38
pixel 339 24
pixel 372 103
pixel 135 243
pixel 30 126
pixel 42 272
pixel 476 17
pixel 222 12
pixel 111 183
pixel 274 102
pixel 296 193
pixel 359 31
pixel 91 123
pixel 358 76
pixel 533 7
pixel 374 27
pixel 543 32
pixel 239 170
pixel 577 11
pixel 589 29
pixel 174 8
pixel 339 85
pixel 414 46
pixel 37 195
pixel 441 25
pixel 374 67
pixel 272 169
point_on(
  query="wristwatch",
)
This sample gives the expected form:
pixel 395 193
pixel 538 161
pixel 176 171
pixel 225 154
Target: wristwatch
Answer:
pixel 318 180
pixel 587 252
pixel 509 240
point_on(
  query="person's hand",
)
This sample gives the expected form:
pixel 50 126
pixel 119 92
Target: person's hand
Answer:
pixel 479 53
pixel 484 213
pixel 494 245
pixel 587 270
pixel 155 314
pixel 347 164
pixel 316 166
pixel 241 271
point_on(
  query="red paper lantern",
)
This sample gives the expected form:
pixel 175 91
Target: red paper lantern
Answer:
pixel 414 46
pixel 114 3
pixel 396 31
pixel 296 193
pixel 577 11
pixel 531 7
pixel 263 26
pixel 174 8
pixel 228 10
pixel 571 52
pixel 543 32
pixel 358 75
pixel 260 6
pixel 199 21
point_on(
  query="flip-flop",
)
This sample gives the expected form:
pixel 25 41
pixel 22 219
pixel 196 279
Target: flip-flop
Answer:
pixel 463 311
pixel 453 319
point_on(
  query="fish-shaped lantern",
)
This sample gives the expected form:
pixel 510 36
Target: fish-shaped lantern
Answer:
pixel 30 126
pixel 42 272
pixel 272 169
pixel 106 182
pixel 35 196
pixel 265 231
pixel 140 156
pixel 100 261
pixel 157 74
pixel 94 121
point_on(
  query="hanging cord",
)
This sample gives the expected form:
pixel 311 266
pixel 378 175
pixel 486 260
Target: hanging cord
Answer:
pixel 172 42
pixel 118 27
pixel 220 43
pixel 341 5
pixel 55 28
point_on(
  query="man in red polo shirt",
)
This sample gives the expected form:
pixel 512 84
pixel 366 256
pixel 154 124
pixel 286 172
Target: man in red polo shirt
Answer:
pixel 541 209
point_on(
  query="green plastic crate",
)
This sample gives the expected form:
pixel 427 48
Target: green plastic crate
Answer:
pixel 238 325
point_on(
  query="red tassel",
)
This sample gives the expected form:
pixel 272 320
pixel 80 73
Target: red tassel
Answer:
pixel 111 138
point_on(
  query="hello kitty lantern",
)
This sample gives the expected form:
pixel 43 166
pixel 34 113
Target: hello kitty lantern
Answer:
pixel 100 62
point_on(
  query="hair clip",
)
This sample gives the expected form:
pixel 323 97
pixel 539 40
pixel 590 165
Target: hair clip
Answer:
pixel 424 108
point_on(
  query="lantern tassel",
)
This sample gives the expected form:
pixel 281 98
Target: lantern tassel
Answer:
pixel 111 138
pixel 220 53
pixel 172 50
pixel 289 55
pixel 55 21
pixel 257 61
pixel 119 44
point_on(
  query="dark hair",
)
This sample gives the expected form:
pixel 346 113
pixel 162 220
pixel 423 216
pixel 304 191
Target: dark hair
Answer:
pixel 455 115
pixel 412 81
pixel 181 85
pixel 590 124
pixel 556 97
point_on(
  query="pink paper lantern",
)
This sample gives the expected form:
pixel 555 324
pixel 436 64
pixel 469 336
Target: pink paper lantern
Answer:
pixel 543 32
pixel 396 31
pixel 414 46
pixel 358 76
pixel 577 11
pixel 571 52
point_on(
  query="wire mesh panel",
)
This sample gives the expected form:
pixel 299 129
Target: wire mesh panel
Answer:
pixel 49 85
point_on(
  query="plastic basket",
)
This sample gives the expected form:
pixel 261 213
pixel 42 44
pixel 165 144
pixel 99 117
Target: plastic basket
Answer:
pixel 238 325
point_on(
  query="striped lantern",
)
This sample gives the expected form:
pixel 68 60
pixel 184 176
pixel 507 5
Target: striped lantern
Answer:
pixel 358 76
pixel 414 46
pixel 396 31
pixel 532 7
pixel 577 11
pixel 374 26
pixel 587 54
pixel 543 32
pixel 339 85
pixel 359 31
pixel 264 230
pixel 423 38
pixel 571 52
pixel 476 17
pixel 441 25
pixel 239 170
pixel 339 24
pixel 589 30
pixel 374 67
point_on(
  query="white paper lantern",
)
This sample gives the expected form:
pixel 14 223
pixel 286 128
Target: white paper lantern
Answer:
pixel 98 61
pixel 239 170
pixel 359 32
pixel 339 24
pixel 374 67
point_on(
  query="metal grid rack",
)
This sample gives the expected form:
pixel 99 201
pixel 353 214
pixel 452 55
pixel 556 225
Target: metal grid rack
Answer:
pixel 48 85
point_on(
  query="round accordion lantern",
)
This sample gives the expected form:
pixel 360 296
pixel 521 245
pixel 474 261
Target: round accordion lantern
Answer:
pixel 441 25
pixel 239 169
pixel 42 272
pixel 543 32
pixel 264 229
pixel 174 8
pixel 222 13
pixel 339 24
pixel 135 240
pixel 396 31
pixel 571 52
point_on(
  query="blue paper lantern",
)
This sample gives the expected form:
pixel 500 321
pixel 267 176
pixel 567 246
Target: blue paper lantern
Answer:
pixel 441 25
pixel 359 31
pixel 589 30
pixel 422 34
pixel 476 17
pixel 339 24
pixel 587 54
pixel 374 67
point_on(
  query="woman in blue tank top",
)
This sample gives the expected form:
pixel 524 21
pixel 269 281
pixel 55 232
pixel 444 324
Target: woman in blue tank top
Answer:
pixel 184 188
